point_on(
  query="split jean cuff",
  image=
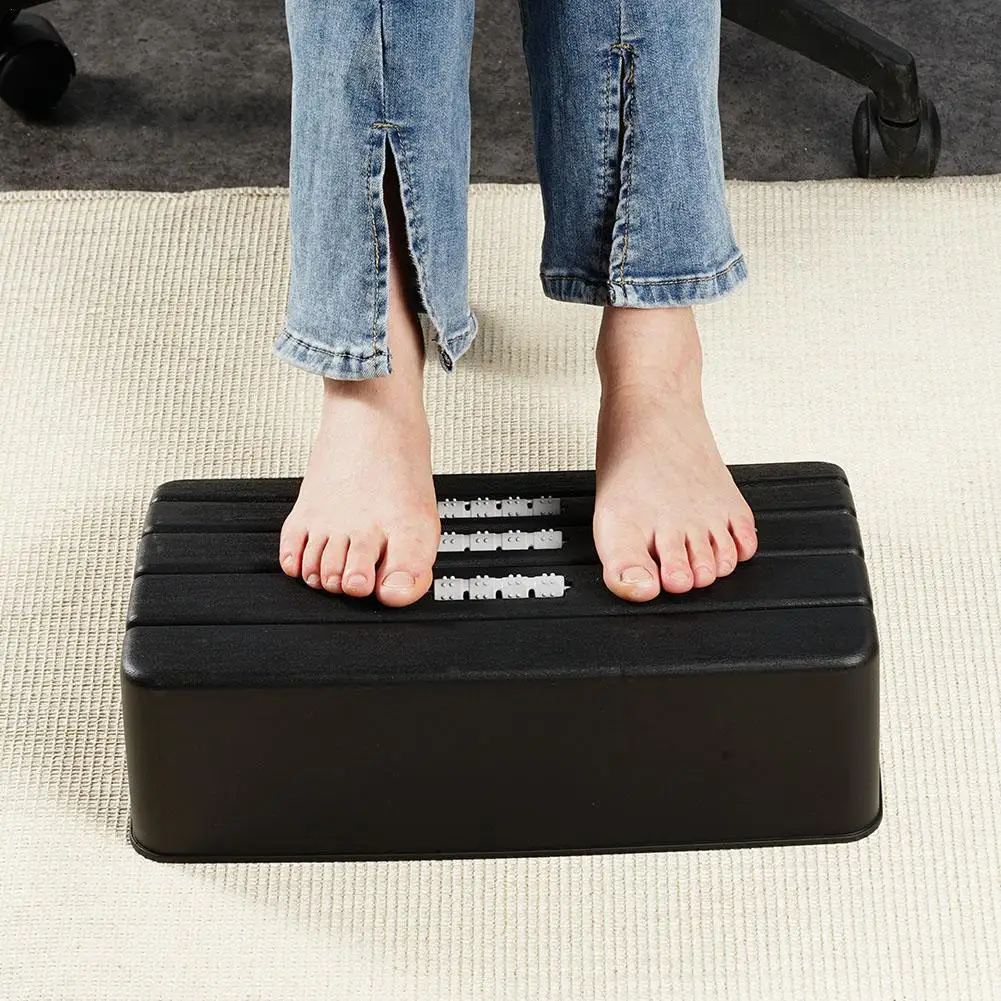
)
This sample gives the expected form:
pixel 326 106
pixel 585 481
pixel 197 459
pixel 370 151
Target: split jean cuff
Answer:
pixel 626 138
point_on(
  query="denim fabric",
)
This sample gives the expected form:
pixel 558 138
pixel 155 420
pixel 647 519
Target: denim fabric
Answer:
pixel 626 142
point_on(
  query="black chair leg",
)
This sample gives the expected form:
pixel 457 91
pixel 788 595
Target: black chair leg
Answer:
pixel 896 113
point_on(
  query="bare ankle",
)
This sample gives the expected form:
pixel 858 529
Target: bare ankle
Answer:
pixel 653 348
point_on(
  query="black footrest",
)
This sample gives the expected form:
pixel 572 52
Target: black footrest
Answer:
pixel 518 708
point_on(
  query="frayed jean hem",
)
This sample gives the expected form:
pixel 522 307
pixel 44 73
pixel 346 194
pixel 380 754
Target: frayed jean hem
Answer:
pixel 687 290
pixel 321 360
pixel 353 365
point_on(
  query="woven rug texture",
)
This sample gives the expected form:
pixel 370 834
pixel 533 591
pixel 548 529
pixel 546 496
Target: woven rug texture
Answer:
pixel 135 336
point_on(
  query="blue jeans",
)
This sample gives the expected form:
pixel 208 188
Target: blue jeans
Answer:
pixel 626 142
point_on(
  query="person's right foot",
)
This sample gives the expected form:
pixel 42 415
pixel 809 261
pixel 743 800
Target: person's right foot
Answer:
pixel 367 497
pixel 366 518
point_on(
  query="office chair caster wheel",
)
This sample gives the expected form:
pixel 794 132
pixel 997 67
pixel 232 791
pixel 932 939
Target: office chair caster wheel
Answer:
pixel 36 67
pixel 889 149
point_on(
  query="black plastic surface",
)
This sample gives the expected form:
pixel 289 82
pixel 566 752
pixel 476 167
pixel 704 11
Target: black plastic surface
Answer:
pixel 266 720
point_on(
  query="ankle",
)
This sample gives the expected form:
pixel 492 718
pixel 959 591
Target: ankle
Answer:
pixel 656 350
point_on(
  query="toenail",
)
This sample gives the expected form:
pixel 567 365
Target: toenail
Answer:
pixel 399 578
pixel 357 580
pixel 680 576
pixel 312 580
pixel 333 579
pixel 635 575
pixel 704 570
pixel 287 560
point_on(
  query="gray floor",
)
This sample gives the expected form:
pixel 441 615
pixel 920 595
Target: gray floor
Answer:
pixel 175 97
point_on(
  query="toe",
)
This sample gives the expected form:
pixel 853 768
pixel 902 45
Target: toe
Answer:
pixel 332 563
pixel 311 558
pixel 359 566
pixel 675 569
pixel 629 570
pixel 405 572
pixel 724 549
pixel 290 547
pixel 702 558
pixel 744 534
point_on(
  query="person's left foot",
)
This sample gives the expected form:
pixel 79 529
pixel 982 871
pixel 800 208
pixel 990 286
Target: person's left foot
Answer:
pixel 667 512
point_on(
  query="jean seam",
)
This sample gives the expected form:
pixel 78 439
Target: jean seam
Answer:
pixel 603 183
pixel 309 345
pixel 646 281
pixel 419 237
pixel 627 94
pixel 414 215
pixel 375 242
pixel 630 125
pixel 419 240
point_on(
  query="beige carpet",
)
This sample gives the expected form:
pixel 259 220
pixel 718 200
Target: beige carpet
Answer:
pixel 135 334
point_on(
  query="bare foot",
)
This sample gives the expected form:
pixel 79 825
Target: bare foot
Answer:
pixel 667 512
pixel 366 518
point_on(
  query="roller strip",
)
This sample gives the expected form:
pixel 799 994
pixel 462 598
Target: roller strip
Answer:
pixel 510 507
pixel 547 585
pixel 460 542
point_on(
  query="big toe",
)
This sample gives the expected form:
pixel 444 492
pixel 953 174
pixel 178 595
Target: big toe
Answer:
pixel 405 573
pixel 629 570
pixel 291 544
